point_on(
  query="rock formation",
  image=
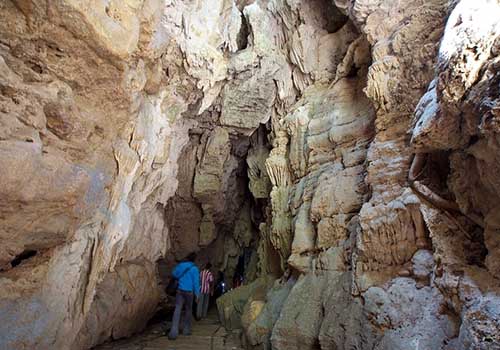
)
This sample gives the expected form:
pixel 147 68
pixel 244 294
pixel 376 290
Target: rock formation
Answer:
pixel 344 151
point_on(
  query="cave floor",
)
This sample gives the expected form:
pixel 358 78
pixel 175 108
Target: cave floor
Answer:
pixel 208 334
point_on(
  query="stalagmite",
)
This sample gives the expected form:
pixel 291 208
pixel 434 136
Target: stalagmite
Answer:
pixel 279 173
pixel 277 164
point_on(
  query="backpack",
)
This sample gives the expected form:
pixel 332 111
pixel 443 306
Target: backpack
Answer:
pixel 173 284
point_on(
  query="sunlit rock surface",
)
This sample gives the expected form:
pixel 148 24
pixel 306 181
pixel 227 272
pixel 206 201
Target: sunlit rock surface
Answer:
pixel 345 151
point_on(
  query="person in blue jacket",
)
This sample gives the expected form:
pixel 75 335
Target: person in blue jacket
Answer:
pixel 188 275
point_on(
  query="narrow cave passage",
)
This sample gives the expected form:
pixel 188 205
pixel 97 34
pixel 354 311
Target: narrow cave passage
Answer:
pixel 336 161
pixel 235 207
pixel 221 201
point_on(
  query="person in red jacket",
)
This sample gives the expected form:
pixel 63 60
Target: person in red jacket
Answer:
pixel 207 282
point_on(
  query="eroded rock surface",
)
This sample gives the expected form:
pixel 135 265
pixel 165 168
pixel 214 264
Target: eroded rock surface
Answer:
pixel 344 151
pixel 381 225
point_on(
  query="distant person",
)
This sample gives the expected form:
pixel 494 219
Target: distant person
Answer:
pixel 220 285
pixel 207 282
pixel 188 276
pixel 239 272
pixel 237 280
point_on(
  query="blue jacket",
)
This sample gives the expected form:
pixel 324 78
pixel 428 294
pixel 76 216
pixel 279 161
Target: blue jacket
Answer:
pixel 190 281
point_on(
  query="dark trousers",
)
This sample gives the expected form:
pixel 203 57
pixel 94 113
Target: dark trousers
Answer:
pixel 185 299
pixel 202 307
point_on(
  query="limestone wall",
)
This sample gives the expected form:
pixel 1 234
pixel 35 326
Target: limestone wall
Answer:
pixel 388 237
pixel 351 145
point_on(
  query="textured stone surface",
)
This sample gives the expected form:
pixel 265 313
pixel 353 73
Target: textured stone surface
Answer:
pixel 231 305
pixel 362 221
pixel 344 150
pixel 262 313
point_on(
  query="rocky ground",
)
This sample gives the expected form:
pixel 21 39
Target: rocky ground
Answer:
pixel 208 334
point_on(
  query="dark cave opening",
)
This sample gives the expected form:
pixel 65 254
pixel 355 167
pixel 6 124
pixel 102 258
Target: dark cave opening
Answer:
pixel 242 39
pixel 334 18
pixel 436 174
pixel 26 254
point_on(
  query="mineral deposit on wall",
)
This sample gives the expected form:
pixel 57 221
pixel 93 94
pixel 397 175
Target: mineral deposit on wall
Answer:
pixel 346 150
